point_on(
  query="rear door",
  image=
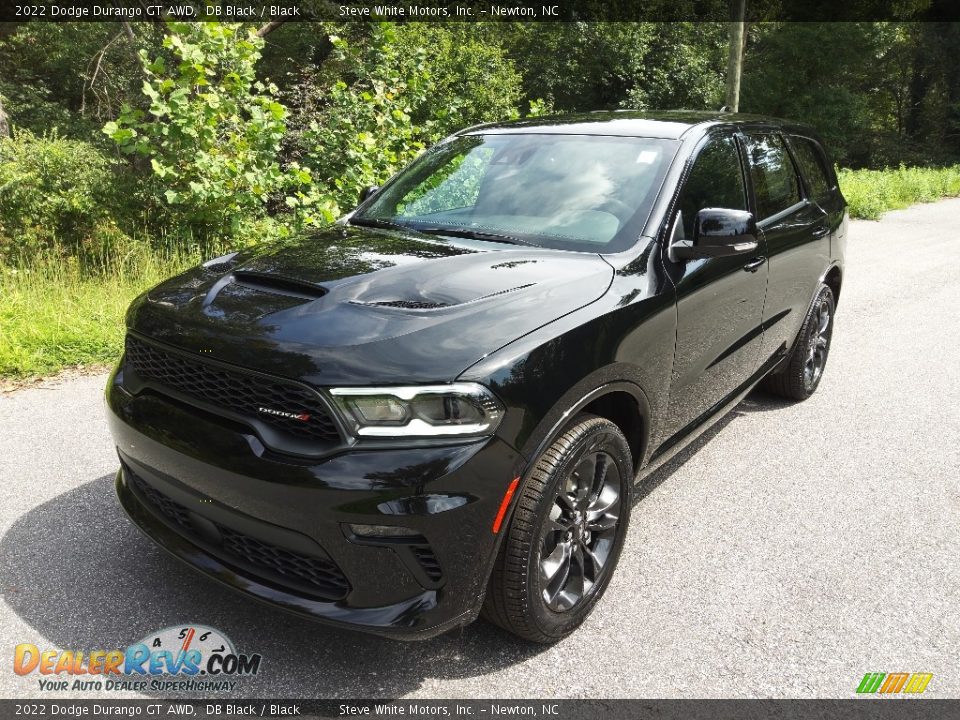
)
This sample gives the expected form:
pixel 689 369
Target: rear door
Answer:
pixel 821 184
pixel 797 234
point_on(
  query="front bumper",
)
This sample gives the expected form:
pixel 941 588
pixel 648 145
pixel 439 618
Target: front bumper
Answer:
pixel 277 528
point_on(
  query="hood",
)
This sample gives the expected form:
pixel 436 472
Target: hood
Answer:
pixel 358 306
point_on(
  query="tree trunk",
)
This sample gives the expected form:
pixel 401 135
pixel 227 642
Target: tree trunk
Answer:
pixel 4 125
pixel 735 54
pixel 919 84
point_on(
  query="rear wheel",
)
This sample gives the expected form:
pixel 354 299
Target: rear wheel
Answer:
pixel 801 376
pixel 565 537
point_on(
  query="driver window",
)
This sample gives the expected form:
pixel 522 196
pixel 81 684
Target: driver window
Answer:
pixel 715 181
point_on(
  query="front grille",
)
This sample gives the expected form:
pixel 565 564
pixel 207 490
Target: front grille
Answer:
pixel 323 577
pixel 428 561
pixel 314 571
pixel 234 390
pixel 167 507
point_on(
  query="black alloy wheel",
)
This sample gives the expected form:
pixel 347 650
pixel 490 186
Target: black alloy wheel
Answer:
pixel 799 378
pixel 578 536
pixel 565 535
pixel 818 343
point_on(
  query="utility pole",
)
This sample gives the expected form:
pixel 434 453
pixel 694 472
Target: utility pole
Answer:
pixel 738 11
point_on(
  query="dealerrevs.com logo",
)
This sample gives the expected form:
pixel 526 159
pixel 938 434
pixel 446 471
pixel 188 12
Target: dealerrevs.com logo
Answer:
pixel 186 658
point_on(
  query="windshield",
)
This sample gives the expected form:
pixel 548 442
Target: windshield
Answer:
pixel 571 192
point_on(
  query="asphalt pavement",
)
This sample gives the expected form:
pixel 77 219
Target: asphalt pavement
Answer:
pixel 794 548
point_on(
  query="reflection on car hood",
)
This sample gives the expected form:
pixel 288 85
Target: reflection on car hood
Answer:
pixel 358 306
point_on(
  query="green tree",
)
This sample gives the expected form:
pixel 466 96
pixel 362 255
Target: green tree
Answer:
pixel 355 114
pixel 72 76
pixel 856 94
pixel 212 130
pixel 601 66
pixel 471 79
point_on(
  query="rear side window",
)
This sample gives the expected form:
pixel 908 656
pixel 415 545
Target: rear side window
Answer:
pixel 774 177
pixel 810 159
pixel 715 181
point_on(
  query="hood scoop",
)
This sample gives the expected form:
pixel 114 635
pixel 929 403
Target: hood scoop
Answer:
pixel 410 304
pixel 278 284
pixel 425 304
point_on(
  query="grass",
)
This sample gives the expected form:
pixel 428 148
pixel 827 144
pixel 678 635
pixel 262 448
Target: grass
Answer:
pixel 870 193
pixel 54 315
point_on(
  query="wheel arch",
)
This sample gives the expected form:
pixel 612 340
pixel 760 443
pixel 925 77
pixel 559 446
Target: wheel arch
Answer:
pixel 834 279
pixel 622 402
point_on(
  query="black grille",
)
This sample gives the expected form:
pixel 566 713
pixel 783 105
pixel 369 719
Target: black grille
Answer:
pixel 234 390
pixel 169 508
pixel 322 576
pixel 428 561
pixel 315 571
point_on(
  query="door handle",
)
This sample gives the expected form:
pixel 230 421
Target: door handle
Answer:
pixel 820 230
pixel 754 264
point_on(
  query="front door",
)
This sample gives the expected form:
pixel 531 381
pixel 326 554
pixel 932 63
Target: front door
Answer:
pixel 719 300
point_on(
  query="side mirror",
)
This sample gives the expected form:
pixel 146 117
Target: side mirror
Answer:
pixel 718 232
pixel 368 192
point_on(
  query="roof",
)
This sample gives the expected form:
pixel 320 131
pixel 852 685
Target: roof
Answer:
pixel 672 124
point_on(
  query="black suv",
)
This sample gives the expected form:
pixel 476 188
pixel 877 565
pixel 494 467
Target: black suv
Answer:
pixel 440 405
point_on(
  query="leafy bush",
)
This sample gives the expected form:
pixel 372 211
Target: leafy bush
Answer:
pixel 55 191
pixel 870 193
pixel 471 78
pixel 212 131
pixel 382 96
pixel 67 75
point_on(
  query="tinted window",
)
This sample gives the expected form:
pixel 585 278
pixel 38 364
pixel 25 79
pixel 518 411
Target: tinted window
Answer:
pixel 715 181
pixel 810 160
pixel 774 177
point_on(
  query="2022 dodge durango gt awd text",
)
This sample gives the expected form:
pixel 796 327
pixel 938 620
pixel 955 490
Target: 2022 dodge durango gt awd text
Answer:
pixel 440 405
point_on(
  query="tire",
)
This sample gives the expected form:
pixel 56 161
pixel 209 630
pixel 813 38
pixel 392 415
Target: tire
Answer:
pixel 801 376
pixel 550 523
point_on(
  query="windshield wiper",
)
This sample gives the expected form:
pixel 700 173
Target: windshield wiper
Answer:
pixel 473 235
pixel 378 223
pixel 468 233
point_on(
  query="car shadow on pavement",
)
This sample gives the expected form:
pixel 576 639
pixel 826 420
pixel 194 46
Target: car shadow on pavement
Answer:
pixel 763 401
pixel 83 578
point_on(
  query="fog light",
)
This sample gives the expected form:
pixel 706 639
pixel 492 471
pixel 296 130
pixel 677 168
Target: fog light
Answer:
pixel 382 531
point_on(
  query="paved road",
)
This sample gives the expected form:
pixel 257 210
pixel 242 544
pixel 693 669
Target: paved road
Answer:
pixel 799 547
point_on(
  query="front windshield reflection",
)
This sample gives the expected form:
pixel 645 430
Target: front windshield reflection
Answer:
pixel 571 192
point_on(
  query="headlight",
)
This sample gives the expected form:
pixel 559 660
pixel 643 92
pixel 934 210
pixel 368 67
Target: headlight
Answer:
pixel 419 410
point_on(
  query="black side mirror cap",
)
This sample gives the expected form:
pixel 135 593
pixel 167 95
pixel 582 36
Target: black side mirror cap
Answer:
pixel 719 232
pixel 368 192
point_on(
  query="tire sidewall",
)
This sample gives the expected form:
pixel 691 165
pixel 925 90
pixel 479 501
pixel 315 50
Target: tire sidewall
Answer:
pixel 605 436
pixel 810 328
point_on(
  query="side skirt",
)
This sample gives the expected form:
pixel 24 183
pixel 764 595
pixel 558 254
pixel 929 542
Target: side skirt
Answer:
pixel 673 445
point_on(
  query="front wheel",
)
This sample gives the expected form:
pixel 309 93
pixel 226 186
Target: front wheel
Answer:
pixel 565 537
pixel 799 379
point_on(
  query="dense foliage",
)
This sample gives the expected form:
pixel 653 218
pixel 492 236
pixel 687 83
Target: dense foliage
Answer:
pixel 137 148
pixel 210 129
pixel 55 188
pixel 186 134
